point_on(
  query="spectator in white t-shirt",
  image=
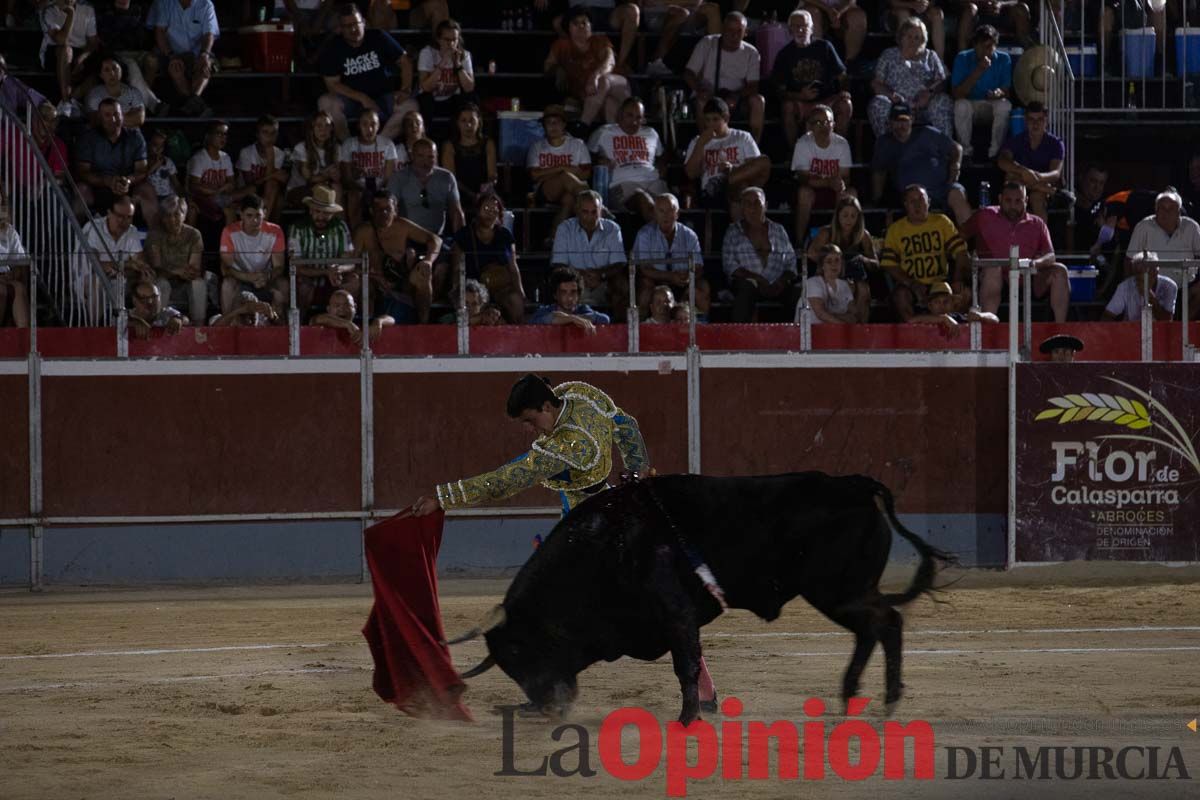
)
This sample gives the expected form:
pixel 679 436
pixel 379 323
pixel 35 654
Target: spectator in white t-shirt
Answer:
pixel 444 72
pixel 252 252
pixel 1129 300
pixel 69 32
pixel 726 66
pixel 724 160
pixel 559 165
pixel 112 241
pixel 133 103
pixel 263 166
pixel 13 278
pixel 211 184
pixel 821 163
pixel 830 296
pixel 633 153
pixel 368 161
pixel 315 161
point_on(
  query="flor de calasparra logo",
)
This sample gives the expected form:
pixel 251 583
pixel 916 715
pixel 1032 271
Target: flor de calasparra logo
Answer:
pixel 1107 467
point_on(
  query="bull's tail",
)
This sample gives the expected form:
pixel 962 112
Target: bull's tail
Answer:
pixel 932 559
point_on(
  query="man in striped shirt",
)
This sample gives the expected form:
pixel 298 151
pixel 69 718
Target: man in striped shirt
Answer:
pixel 322 235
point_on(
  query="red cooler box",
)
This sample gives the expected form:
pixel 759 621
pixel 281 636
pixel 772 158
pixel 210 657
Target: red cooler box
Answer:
pixel 267 47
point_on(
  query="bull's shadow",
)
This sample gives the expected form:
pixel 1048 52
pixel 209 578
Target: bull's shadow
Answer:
pixel 621 576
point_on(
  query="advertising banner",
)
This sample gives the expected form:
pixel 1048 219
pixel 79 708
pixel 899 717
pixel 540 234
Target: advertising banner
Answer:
pixel 1107 465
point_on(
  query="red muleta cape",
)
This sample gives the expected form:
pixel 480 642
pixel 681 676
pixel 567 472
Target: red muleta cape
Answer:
pixel 413 669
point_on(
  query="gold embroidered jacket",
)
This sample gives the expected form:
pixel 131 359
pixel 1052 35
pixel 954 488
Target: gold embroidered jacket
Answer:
pixel 575 456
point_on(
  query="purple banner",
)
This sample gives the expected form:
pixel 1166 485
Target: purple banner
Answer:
pixel 1107 465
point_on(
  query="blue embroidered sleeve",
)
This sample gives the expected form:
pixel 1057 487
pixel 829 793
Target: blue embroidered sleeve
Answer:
pixel 628 438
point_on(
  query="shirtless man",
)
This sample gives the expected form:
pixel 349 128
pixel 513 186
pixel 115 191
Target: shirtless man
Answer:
pixel 407 279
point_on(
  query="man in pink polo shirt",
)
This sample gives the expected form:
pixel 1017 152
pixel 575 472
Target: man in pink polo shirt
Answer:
pixel 995 229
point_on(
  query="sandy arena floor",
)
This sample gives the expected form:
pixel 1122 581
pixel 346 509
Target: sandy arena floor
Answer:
pixel 265 692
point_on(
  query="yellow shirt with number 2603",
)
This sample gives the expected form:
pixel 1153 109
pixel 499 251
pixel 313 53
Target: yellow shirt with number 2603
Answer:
pixel 926 251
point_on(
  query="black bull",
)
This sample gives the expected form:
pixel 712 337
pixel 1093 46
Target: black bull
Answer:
pixel 615 577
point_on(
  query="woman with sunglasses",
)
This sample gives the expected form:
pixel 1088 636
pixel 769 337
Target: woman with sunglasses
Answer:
pixel 486 251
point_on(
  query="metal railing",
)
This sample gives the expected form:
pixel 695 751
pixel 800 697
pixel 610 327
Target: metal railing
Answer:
pixel 1150 86
pixel 364 299
pixel 1184 270
pixel 1060 90
pixel 43 215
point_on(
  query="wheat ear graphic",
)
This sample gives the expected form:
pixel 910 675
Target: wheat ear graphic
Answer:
pixel 1127 413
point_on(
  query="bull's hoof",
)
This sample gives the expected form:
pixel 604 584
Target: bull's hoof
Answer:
pixel 893 698
pixel 689 713
pixel 530 710
pixel 709 706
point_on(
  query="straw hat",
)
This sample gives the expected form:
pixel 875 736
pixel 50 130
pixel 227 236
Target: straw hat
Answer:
pixel 1033 73
pixel 941 287
pixel 323 198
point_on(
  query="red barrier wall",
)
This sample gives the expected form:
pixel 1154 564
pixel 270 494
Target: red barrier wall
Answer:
pixel 936 437
pixel 246 443
pixel 14 446
pixel 1104 341
pixel 430 429
pixel 216 444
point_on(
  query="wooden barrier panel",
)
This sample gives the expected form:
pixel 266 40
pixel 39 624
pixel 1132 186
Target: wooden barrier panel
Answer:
pixel 201 444
pixel 936 437
pixel 430 429
pixel 213 342
pixel 14 450
pixel 14 342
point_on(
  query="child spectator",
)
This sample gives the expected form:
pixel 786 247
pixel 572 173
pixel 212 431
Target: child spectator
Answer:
pixel 368 161
pixel 445 73
pixel 211 187
pixel 830 296
pixel 263 166
pixel 161 171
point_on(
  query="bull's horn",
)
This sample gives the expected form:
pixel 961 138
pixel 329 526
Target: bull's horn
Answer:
pixel 494 619
pixel 481 668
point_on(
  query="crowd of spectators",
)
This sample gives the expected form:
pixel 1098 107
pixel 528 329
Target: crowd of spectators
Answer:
pixel 366 176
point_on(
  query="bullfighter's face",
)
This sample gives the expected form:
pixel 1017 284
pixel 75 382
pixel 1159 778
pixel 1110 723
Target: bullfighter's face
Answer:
pixel 539 422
